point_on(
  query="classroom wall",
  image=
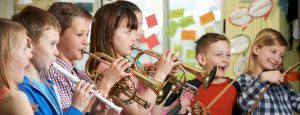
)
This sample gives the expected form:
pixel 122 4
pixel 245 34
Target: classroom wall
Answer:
pixel 276 20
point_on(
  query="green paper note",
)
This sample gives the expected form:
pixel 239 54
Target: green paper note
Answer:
pixel 186 21
pixel 173 26
pixel 178 48
pixel 190 54
pixel 177 13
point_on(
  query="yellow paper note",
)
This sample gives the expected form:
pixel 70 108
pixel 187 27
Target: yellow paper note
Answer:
pixel 186 21
pixel 206 18
pixel 188 34
pixel 177 13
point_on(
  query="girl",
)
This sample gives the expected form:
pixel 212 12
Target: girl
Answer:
pixel 75 22
pixel 15 54
pixel 43 30
pixel 264 67
pixel 113 33
pixel 157 109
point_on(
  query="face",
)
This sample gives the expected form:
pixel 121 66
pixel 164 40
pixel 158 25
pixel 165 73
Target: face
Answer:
pixel 269 57
pixel 140 31
pixel 45 50
pixel 20 59
pixel 74 39
pixel 218 54
pixel 123 38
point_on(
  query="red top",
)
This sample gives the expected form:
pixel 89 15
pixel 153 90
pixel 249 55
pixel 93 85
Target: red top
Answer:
pixel 224 105
pixel 3 92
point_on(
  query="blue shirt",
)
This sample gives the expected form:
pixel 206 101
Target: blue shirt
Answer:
pixel 44 97
pixel 278 100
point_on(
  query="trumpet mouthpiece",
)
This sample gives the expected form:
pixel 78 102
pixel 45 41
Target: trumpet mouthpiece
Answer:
pixel 84 51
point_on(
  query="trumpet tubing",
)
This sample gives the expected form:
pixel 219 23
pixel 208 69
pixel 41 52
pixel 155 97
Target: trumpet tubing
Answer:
pixel 206 76
pixel 152 84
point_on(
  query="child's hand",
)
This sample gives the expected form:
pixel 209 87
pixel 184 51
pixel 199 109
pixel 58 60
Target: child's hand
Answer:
pixel 165 64
pixel 185 103
pixel 274 77
pixel 82 95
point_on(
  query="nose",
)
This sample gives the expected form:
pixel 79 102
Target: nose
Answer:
pixel 55 52
pixel 277 59
pixel 84 40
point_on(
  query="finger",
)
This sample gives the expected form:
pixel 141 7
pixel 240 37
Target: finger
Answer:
pixel 79 85
pixel 122 62
pixel 90 87
pixel 117 60
pixel 84 86
pixel 169 54
pixel 126 65
pixel 175 56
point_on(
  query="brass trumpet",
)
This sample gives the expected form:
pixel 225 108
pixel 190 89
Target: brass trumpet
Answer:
pixel 206 76
pixel 121 87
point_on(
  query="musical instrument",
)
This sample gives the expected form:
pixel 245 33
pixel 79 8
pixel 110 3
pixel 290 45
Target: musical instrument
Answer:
pixel 122 87
pixel 199 108
pixel 206 76
pixel 266 88
pixel 187 94
pixel 74 79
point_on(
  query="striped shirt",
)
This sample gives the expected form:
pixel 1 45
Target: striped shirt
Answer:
pixel 64 86
pixel 278 100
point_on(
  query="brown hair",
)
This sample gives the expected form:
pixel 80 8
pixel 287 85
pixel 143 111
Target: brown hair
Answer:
pixel 107 19
pixel 36 20
pixel 10 36
pixel 65 13
pixel 205 40
pixel 266 37
pixel 129 5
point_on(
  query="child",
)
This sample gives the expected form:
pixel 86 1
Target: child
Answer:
pixel 264 67
pixel 213 49
pixel 75 22
pixel 15 53
pixel 113 33
pixel 43 29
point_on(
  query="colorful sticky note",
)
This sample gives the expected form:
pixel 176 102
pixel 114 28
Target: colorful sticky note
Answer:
pixel 188 34
pixel 206 18
pixel 151 21
pixel 152 41
pixel 173 26
pixel 177 13
pixel 209 29
pixel 186 21
pixel 178 48
pixel 142 39
pixel 190 54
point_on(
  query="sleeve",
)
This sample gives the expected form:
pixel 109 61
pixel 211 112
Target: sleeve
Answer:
pixel 72 111
pixel 294 99
pixel 250 90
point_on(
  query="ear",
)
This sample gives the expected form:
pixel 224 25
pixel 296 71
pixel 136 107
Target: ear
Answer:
pixel 201 59
pixel 255 49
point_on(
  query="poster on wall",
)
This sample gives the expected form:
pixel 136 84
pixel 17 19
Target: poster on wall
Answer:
pixel 240 17
pixel 239 44
pixel 260 8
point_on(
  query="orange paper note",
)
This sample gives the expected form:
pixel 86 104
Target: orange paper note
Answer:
pixel 188 34
pixel 206 18
pixel 151 21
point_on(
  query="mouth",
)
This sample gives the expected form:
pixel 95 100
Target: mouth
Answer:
pixel 222 68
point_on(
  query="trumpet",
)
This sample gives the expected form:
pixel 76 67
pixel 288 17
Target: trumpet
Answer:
pixel 121 86
pixel 74 79
pixel 206 76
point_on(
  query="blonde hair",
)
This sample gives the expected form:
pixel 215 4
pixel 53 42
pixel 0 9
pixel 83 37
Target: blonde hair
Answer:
pixel 10 36
pixel 266 37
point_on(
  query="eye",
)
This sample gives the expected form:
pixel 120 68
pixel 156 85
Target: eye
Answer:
pixel 79 35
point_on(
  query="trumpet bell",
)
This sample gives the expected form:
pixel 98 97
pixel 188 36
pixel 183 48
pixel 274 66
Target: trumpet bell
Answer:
pixel 211 76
